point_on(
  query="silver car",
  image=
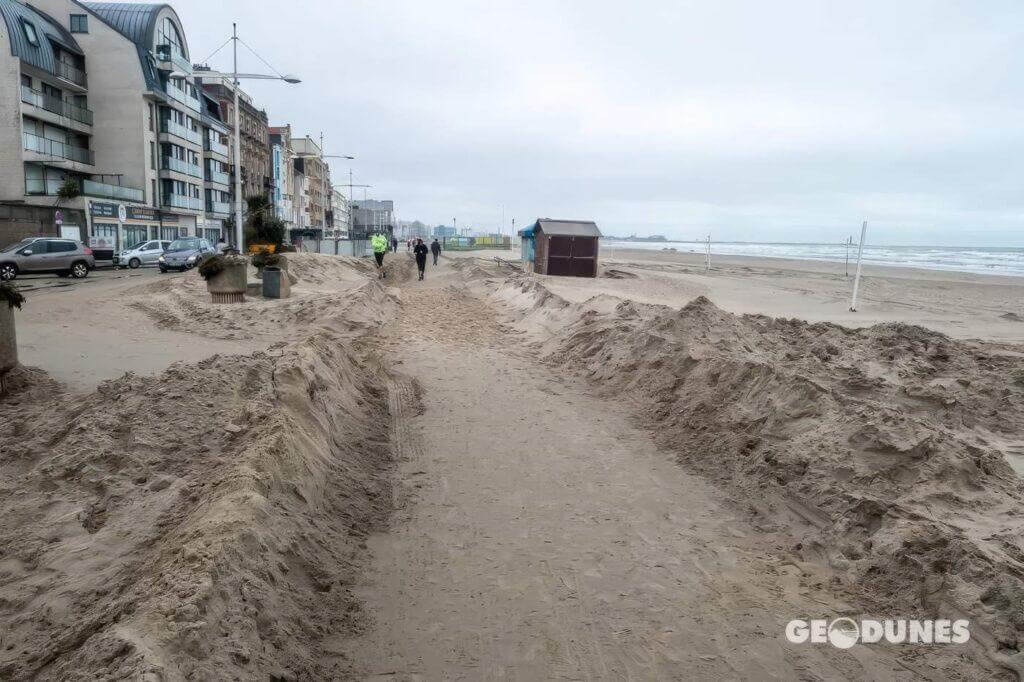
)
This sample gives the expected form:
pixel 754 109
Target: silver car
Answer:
pixel 64 257
pixel 143 253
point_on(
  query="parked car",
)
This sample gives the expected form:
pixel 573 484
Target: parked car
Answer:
pixel 64 257
pixel 184 253
pixel 143 253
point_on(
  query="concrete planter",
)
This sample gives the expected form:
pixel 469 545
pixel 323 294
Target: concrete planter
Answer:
pixel 228 285
pixel 8 339
pixel 276 283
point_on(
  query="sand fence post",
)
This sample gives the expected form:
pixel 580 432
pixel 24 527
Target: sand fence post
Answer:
pixel 707 255
pixel 860 255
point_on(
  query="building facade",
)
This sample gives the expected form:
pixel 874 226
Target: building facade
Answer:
pixel 370 216
pixel 149 123
pixel 47 140
pixel 282 174
pixel 255 152
pixel 339 215
pixel 316 182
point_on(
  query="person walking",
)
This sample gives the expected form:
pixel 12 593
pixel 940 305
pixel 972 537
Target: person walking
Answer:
pixel 394 245
pixel 380 245
pixel 223 246
pixel 421 256
pixel 435 249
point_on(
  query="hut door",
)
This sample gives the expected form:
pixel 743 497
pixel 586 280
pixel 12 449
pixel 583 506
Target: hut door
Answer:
pixel 559 255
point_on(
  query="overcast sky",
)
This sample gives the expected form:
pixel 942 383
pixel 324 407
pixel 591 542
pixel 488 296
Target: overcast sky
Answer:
pixel 780 121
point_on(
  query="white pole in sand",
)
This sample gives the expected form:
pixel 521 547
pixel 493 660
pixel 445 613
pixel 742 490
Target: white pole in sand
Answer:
pixel 707 255
pixel 860 254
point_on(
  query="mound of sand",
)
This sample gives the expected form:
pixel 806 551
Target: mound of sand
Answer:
pixel 326 286
pixel 887 447
pixel 201 524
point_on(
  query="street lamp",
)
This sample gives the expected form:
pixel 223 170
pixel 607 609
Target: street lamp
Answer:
pixel 237 156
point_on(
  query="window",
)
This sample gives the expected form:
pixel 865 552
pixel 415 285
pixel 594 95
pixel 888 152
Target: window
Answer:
pixel 59 246
pixel 37 247
pixel 26 80
pixel 152 155
pixel 78 24
pixel 30 33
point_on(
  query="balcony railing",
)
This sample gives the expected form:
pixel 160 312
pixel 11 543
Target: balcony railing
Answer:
pixel 211 146
pixel 182 201
pixel 171 54
pixel 55 105
pixel 218 177
pixel 218 207
pixel 70 73
pixel 104 190
pixel 89 188
pixel 173 128
pixel 56 148
pixel 181 166
pixel 183 96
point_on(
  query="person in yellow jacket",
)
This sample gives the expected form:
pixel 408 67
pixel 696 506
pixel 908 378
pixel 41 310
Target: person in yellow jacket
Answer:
pixel 380 244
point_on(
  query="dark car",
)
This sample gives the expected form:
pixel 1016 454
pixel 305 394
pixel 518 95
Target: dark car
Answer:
pixel 185 253
pixel 63 257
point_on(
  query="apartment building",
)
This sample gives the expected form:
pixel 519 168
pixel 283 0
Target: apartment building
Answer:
pixel 370 216
pixel 253 122
pixel 149 120
pixel 315 185
pixel 48 137
pixel 282 174
pixel 339 216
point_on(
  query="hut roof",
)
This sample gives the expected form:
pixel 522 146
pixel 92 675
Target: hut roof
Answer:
pixel 568 228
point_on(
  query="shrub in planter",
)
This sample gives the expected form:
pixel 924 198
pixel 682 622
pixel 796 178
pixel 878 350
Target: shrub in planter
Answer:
pixel 10 298
pixel 225 277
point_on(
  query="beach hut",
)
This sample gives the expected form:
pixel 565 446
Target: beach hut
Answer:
pixel 561 247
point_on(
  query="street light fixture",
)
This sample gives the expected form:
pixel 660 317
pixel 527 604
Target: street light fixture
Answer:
pixel 237 156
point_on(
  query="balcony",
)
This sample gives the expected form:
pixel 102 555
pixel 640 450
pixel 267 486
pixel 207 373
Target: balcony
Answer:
pixel 55 105
pixel 91 188
pixel 70 73
pixel 215 147
pixel 217 177
pixel 172 128
pixel 58 149
pixel 183 96
pixel 182 201
pixel 218 207
pixel 170 57
pixel 180 166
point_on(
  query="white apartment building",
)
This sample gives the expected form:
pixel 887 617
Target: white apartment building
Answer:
pixel 151 128
pixel 340 214
pixel 48 135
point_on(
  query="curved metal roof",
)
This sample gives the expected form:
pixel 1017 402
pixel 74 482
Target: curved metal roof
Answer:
pixel 136 21
pixel 48 31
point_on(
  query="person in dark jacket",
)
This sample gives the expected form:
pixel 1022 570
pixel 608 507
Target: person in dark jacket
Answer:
pixel 394 245
pixel 420 251
pixel 435 248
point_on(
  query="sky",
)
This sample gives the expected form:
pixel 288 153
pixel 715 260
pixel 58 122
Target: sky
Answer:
pixel 751 121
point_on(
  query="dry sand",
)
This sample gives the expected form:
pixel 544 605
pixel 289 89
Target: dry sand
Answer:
pixel 589 485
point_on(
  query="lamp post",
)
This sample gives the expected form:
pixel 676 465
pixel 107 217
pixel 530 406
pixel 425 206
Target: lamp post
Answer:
pixel 237 156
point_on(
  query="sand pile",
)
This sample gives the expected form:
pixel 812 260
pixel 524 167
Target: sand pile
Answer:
pixel 200 524
pixel 324 289
pixel 887 447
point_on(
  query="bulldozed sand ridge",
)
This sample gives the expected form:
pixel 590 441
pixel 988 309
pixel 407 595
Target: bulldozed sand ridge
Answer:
pixel 204 523
pixel 886 449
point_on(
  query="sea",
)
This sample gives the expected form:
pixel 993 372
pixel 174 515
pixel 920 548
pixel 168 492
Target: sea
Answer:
pixel 989 260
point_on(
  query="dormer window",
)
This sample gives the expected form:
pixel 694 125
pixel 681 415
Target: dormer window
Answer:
pixel 30 33
pixel 79 23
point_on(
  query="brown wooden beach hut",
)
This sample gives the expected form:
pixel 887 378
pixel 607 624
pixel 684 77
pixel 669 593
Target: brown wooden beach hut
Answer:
pixel 563 247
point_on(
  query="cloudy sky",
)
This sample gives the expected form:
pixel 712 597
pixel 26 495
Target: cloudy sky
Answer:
pixel 781 121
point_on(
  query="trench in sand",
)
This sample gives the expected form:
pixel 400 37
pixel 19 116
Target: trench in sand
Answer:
pixel 538 529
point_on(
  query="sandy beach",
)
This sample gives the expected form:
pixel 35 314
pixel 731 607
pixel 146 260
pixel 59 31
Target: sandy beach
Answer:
pixel 493 475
